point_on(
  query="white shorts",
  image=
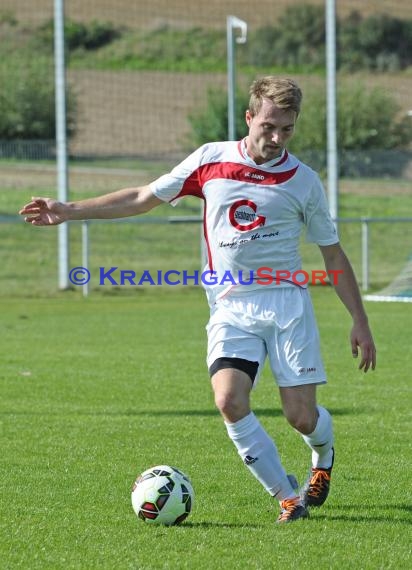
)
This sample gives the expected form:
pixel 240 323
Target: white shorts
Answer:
pixel 277 323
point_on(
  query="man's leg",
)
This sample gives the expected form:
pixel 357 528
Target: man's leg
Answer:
pixel 232 380
pixel 315 425
pixel 232 397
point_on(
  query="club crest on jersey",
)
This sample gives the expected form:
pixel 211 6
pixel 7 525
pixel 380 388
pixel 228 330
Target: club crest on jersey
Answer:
pixel 243 216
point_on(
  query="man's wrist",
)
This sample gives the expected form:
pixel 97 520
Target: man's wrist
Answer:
pixel 360 320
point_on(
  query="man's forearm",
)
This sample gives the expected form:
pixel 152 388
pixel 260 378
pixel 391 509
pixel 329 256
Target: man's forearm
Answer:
pixel 346 285
pixel 348 291
pixel 126 202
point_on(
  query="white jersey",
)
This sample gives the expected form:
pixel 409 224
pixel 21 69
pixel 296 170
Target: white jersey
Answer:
pixel 253 214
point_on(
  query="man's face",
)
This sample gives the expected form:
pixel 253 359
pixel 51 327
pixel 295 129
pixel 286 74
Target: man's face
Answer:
pixel 269 131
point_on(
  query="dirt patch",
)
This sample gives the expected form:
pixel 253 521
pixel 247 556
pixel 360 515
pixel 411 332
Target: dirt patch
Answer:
pixel 146 113
pixel 43 179
pixel 376 187
pixel 137 113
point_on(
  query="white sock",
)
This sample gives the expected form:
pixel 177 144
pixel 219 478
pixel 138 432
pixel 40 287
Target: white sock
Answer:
pixel 260 455
pixel 321 440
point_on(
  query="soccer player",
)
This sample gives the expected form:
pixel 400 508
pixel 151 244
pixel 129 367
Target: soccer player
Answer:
pixel 258 198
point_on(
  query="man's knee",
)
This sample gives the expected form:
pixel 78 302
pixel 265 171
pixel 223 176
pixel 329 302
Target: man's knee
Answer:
pixel 303 419
pixel 300 408
pixel 231 406
pixel 231 388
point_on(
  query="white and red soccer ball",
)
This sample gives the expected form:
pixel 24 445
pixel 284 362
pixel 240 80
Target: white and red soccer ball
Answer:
pixel 162 495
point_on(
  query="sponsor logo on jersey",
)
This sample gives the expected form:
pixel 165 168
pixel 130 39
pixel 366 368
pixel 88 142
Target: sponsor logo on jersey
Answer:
pixel 243 216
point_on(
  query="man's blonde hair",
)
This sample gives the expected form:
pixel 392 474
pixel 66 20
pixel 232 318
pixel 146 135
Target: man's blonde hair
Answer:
pixel 284 93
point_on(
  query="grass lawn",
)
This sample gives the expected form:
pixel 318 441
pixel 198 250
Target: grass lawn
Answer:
pixel 96 390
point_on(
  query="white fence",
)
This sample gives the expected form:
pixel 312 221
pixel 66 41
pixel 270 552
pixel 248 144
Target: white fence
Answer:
pixel 365 222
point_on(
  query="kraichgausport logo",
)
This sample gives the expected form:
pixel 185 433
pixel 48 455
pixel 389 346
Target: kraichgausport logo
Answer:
pixel 265 276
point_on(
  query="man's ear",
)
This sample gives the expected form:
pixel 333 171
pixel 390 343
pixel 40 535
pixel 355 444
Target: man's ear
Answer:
pixel 248 117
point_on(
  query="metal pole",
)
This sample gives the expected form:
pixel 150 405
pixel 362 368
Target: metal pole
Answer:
pixel 61 140
pixel 332 152
pixel 365 255
pixel 233 22
pixel 85 253
pixel 231 81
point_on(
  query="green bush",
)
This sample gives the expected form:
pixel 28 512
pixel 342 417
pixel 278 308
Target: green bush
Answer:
pixel 196 49
pixel 297 40
pixel 27 103
pixel 211 124
pixel 79 35
pixel 7 18
pixel 196 45
pixel 379 42
pixel 368 120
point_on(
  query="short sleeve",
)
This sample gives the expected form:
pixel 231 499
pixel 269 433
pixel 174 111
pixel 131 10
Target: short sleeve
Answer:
pixel 320 227
pixel 183 180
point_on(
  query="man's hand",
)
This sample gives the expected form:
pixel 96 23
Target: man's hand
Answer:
pixel 361 337
pixel 44 212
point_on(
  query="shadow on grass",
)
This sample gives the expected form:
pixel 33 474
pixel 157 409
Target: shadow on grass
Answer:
pixel 260 412
pixel 372 514
pixel 216 525
pixel 263 412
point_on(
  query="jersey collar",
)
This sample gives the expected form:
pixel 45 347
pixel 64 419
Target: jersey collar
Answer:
pixel 275 162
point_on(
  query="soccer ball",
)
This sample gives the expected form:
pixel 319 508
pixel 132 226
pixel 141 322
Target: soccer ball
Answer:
pixel 162 495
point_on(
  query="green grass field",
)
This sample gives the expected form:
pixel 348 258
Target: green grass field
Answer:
pixel 96 390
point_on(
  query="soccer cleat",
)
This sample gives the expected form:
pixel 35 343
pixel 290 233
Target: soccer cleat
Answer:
pixel 316 489
pixel 292 510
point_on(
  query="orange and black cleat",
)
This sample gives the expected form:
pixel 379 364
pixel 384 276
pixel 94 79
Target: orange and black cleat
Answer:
pixel 316 489
pixel 292 510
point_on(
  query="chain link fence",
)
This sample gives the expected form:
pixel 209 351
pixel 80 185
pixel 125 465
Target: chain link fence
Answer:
pixel 132 97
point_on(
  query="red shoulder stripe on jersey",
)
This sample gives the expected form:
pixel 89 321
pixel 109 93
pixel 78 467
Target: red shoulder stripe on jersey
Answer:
pixel 193 185
pixel 231 171
pixel 209 252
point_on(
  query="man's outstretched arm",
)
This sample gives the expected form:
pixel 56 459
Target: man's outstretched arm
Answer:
pixel 120 204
